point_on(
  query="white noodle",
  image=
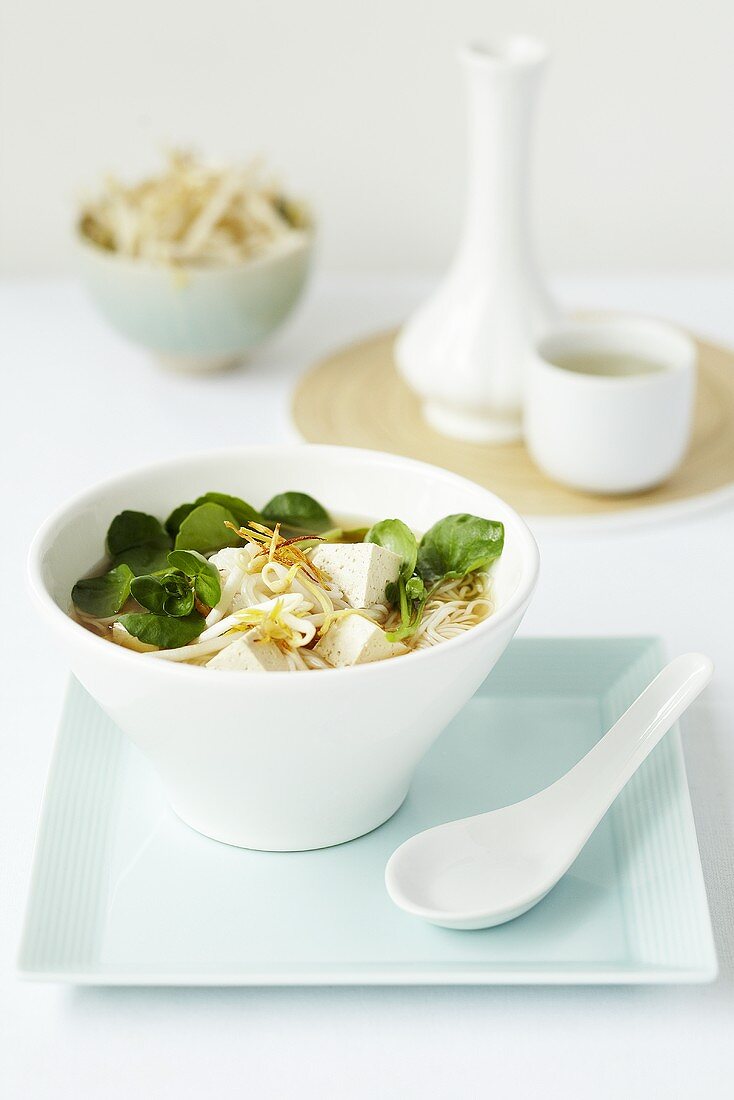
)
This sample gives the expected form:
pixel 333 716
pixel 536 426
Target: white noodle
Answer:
pixel 455 606
pixel 228 593
pixel 197 649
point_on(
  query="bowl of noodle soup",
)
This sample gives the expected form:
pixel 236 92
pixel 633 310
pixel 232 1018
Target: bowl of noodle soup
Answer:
pixel 310 755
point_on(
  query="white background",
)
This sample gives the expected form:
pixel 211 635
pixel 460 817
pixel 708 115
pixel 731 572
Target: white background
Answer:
pixel 83 405
pixel 358 104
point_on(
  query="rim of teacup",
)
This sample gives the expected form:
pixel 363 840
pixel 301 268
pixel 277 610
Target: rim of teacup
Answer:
pixel 664 344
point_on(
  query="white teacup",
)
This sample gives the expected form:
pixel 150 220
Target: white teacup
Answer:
pixel 609 404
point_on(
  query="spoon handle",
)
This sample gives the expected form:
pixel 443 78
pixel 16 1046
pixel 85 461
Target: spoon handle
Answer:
pixel 593 784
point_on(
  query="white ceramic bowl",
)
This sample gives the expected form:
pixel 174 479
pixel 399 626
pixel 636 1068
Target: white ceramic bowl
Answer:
pixel 606 433
pixel 195 318
pixel 283 761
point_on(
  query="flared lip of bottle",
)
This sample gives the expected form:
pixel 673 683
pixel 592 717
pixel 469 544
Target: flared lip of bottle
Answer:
pixel 508 51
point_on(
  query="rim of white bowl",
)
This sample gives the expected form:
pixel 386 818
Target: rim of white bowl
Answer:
pixel 530 559
pixel 118 259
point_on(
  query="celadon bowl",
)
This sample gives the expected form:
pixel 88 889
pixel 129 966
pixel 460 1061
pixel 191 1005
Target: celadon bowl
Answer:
pixel 283 761
pixel 196 318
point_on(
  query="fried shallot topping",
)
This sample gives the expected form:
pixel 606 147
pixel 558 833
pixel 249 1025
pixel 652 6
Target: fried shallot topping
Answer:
pixel 272 545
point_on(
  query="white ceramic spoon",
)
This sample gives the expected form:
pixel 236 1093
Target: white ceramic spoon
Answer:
pixel 487 869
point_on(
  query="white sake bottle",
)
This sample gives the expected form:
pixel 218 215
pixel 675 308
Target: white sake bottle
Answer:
pixel 465 350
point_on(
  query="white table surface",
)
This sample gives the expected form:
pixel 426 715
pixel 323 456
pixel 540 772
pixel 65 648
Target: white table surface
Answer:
pixel 79 404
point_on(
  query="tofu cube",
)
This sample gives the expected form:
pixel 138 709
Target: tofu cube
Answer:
pixel 361 570
pixel 354 640
pixel 248 654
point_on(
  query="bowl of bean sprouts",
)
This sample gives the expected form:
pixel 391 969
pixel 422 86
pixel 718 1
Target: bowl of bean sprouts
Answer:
pixel 199 263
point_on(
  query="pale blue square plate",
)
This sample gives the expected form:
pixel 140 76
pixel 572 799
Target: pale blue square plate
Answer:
pixel 123 893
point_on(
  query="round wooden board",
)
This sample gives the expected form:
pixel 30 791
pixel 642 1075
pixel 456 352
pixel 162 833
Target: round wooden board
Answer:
pixel 356 398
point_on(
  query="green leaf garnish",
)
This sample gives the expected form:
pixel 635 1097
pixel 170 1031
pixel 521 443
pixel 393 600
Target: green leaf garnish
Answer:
pixel 242 511
pixel 179 591
pixel 204 575
pixel 204 530
pixel 408 594
pixel 458 545
pixel 163 630
pixel 149 593
pixel 297 510
pixel 143 559
pixel 132 529
pixel 103 596
pixel 415 589
pixel 411 599
pixel 138 541
pixel 176 518
pixel 239 510
pixel 395 535
pixel 173 591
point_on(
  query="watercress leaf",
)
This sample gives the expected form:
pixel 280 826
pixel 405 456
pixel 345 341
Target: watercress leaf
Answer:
pixel 138 541
pixel 415 588
pixel 175 582
pixel 458 545
pixel 242 512
pixel 408 624
pixel 178 586
pixel 189 562
pixel 132 529
pixel 401 632
pixel 394 535
pixel 105 595
pixel 240 509
pixel 208 588
pixel 149 592
pixel 204 530
pixel 180 602
pixel 143 559
pixel 297 510
pixel 163 630
pixel 176 518
pixel 205 576
pixel 169 594
pixel 392 593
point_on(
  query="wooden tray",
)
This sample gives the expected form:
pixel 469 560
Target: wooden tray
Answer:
pixel 356 398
